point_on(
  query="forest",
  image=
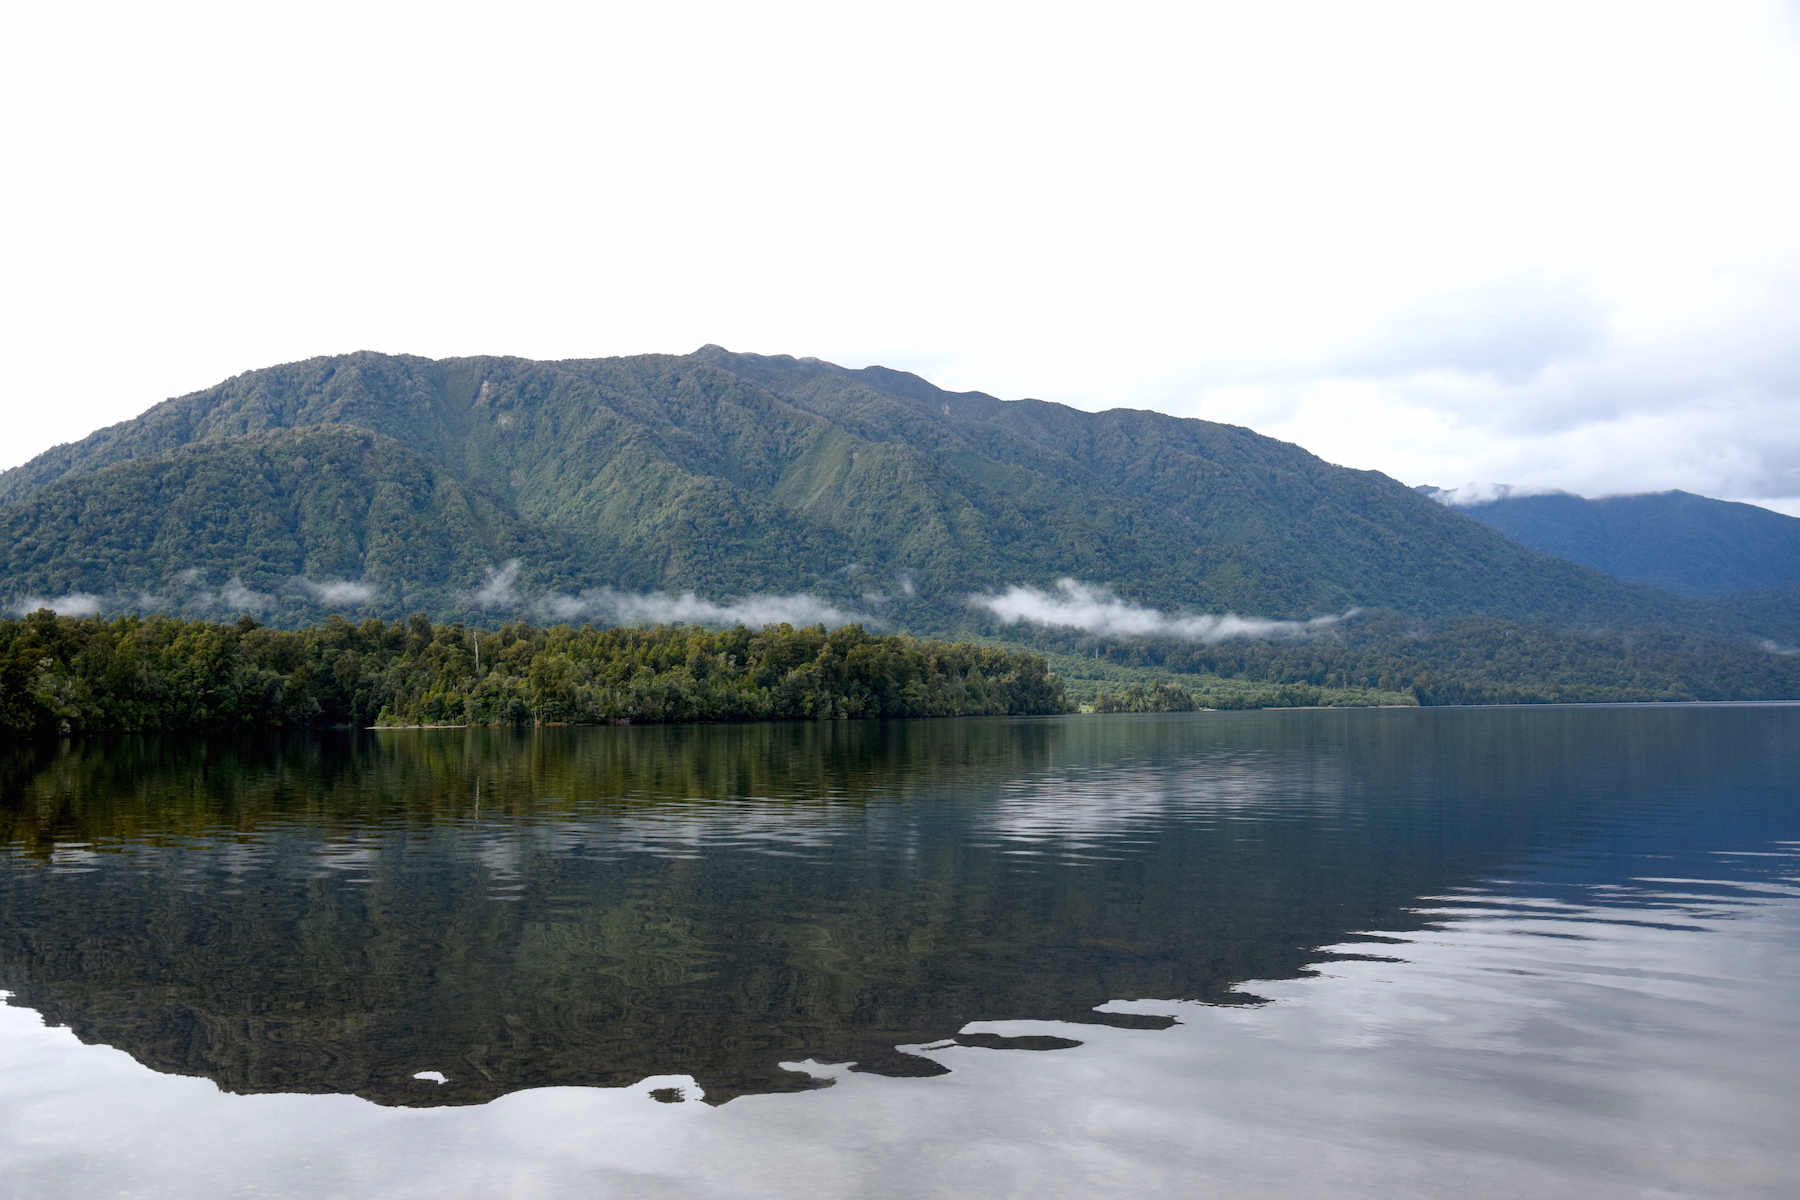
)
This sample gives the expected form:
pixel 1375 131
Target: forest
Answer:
pixel 1384 658
pixel 66 675
pixel 378 486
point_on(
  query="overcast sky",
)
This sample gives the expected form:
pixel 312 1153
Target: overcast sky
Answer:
pixel 1550 245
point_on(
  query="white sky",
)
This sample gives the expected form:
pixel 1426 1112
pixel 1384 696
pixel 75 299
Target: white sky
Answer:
pixel 1551 245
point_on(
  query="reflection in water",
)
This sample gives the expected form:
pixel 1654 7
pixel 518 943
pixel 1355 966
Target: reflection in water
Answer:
pixel 1506 952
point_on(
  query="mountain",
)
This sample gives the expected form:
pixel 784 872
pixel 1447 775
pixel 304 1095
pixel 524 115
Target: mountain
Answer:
pixel 1686 544
pixel 327 503
pixel 379 483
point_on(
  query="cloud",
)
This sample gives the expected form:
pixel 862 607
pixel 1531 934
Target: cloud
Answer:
pixel 498 592
pixel 190 593
pixel 335 591
pixel 1097 610
pixel 1505 329
pixel 1552 384
pixel 1470 494
pixel 657 608
pixel 75 604
pixel 238 598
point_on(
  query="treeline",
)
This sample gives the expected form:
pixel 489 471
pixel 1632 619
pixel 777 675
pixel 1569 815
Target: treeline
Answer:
pixel 61 675
pixel 1471 661
pixel 1191 695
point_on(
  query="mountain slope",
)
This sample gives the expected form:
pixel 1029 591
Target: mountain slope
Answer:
pixel 326 503
pixel 1251 523
pixel 732 474
pixel 1687 544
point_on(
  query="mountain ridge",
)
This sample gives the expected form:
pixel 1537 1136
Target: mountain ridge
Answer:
pixel 1691 545
pixel 732 474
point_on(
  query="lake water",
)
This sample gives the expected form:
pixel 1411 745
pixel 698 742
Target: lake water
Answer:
pixel 1380 953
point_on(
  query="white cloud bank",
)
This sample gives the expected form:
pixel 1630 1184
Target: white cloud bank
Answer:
pixel 1470 494
pixel 608 606
pixel 1538 383
pixel 497 591
pixel 1078 605
pixel 75 604
pixel 239 598
pixel 188 593
pixel 335 591
pixel 189 596
pixel 658 608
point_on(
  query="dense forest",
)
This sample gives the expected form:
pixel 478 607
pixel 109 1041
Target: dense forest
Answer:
pixel 134 674
pixel 140 674
pixel 1196 693
pixel 379 485
pixel 1385 659
pixel 1687 544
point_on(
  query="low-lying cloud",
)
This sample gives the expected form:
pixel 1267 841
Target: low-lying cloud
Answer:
pixel 75 604
pixel 1076 605
pixel 188 592
pixel 660 608
pixel 188 595
pixel 497 591
pixel 335 591
pixel 239 598
pixel 1470 494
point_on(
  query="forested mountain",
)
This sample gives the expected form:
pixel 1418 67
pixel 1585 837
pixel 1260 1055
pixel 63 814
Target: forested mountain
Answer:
pixel 326 503
pixel 1687 544
pixel 378 484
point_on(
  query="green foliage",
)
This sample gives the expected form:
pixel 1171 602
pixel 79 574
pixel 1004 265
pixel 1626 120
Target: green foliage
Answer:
pixel 67 675
pixel 1199 692
pixel 1139 697
pixel 1472 661
pixel 329 502
pixel 731 474
pixel 1690 545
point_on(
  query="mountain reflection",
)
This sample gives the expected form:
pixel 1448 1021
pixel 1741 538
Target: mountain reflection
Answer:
pixel 515 909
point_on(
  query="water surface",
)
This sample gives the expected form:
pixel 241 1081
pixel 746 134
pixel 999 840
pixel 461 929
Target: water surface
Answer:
pixel 1359 953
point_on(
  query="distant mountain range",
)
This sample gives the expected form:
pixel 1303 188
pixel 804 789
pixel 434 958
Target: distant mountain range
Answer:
pixel 488 487
pixel 1686 544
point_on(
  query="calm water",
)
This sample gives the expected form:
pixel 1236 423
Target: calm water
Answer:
pixel 1394 953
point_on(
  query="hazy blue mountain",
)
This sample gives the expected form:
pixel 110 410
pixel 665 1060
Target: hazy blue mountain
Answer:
pixel 1687 544
pixel 733 474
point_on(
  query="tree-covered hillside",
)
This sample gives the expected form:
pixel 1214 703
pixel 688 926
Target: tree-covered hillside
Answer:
pixel 1687 544
pixel 1473 660
pixel 348 511
pixel 732 474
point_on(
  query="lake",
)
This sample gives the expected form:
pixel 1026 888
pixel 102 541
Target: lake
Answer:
pixel 1396 953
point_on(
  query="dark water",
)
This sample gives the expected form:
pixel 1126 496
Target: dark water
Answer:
pixel 1396 953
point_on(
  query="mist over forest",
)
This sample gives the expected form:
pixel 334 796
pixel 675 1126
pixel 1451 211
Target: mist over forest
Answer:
pixel 1155 561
